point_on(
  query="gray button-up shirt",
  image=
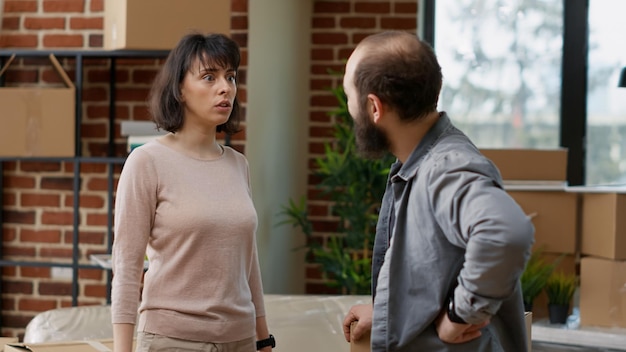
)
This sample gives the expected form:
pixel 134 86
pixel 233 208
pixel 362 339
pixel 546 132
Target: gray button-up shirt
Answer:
pixel 455 231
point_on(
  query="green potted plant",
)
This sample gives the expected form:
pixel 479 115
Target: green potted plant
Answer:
pixel 560 288
pixel 535 277
pixel 354 186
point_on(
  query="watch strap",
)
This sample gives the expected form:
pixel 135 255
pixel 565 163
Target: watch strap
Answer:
pixel 270 341
pixel 452 313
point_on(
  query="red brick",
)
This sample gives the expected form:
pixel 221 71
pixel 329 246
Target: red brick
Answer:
pixel 382 7
pixel 51 75
pixel 398 23
pixel 322 54
pixel 141 113
pixel 39 166
pixel 20 6
pixel 329 38
pixel 103 75
pixel 97 184
pixel 96 6
pixel 10 23
pixel 96 41
pixel 18 217
pixel 358 22
pixel 132 94
pixel 19 251
pixel 64 6
pixel 78 23
pixel 42 236
pixel 331 7
pixel 23 287
pixel 89 201
pixel 61 253
pixel 57 218
pixel 96 219
pixel 9 234
pixel 37 305
pixel 44 23
pixel 91 274
pixel 239 22
pixel 239 5
pixel 36 272
pixel 57 183
pixel 95 291
pixel 18 40
pixel 63 40
pixel 55 289
pixel 93 168
pixel 319 116
pixel 323 22
pixel 95 94
pixel 94 130
pixel 87 237
pixel 409 7
pixel 22 76
pixel 40 200
pixel 144 76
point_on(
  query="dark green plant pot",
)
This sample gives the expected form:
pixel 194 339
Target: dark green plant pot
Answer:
pixel 558 313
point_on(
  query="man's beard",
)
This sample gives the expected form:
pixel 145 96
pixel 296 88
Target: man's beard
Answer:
pixel 371 141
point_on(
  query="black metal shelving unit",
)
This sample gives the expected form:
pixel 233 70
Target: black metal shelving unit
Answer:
pixel 111 160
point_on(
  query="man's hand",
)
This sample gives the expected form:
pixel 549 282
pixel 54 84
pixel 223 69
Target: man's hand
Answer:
pixel 362 314
pixel 451 332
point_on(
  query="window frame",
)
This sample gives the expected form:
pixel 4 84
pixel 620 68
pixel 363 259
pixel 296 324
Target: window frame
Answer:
pixel 573 109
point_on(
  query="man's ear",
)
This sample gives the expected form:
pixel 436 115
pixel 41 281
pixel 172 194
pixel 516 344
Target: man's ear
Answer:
pixel 375 107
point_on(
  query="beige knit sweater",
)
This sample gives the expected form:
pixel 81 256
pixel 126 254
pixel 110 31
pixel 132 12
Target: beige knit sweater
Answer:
pixel 196 222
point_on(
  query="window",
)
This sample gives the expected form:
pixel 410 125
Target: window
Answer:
pixel 501 62
pixel 606 103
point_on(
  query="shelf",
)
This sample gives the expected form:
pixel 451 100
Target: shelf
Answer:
pixel 614 338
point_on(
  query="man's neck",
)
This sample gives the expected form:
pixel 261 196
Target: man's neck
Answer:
pixel 405 137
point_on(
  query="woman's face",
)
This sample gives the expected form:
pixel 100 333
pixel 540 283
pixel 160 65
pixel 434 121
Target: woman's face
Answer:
pixel 208 93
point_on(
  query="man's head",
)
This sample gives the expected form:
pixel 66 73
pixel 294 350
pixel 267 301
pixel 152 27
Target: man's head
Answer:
pixel 401 72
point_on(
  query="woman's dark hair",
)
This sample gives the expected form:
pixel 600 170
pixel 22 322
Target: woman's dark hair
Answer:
pixel 165 99
pixel 402 71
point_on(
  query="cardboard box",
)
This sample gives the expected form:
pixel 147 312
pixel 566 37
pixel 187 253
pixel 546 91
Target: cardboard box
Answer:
pixel 65 346
pixel 604 225
pixel 5 340
pixel 530 164
pixel 362 345
pixel 159 24
pixel 38 121
pixel 554 215
pixel 602 292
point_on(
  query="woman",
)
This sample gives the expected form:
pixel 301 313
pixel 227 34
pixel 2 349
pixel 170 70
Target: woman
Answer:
pixel 184 200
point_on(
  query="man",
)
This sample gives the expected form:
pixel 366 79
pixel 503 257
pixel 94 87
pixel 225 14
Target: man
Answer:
pixel 450 244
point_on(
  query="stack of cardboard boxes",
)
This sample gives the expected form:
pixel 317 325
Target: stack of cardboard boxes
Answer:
pixel 603 263
pixel 584 226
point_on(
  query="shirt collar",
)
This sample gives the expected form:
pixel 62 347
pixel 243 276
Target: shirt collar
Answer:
pixel 409 168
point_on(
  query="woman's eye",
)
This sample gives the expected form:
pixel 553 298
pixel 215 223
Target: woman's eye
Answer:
pixel 232 79
pixel 208 78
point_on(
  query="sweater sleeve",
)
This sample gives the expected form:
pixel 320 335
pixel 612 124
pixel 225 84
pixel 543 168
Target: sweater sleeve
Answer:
pixel 135 206
pixel 254 280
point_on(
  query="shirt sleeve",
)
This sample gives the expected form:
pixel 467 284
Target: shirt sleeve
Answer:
pixel 135 206
pixel 476 213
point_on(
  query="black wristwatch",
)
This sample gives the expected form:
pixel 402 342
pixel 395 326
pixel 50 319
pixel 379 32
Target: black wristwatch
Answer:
pixel 266 342
pixel 452 313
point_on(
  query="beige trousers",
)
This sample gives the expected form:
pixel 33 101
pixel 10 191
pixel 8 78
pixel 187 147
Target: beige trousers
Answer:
pixel 147 342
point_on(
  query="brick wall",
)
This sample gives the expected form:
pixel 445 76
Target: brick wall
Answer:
pixel 38 196
pixel 337 26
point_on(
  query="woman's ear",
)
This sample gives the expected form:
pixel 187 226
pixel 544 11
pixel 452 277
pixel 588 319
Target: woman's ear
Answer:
pixel 375 107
